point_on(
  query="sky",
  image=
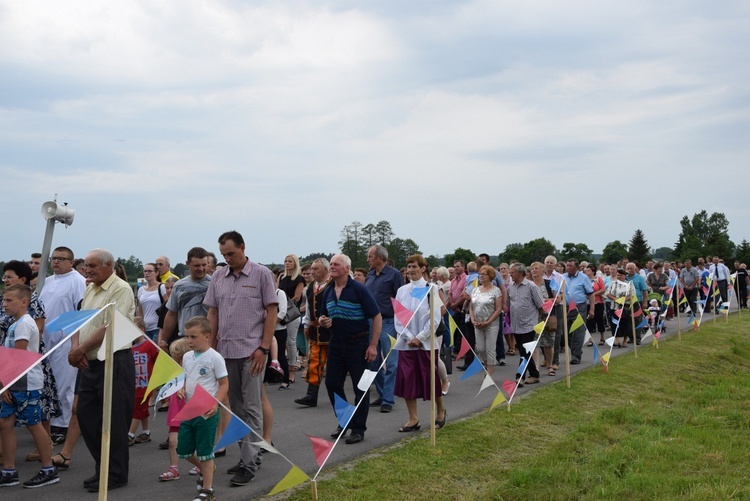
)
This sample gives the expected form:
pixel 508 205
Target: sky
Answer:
pixel 471 124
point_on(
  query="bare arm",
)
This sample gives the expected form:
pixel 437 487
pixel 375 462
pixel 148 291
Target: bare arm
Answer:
pixel 372 349
pixel 170 321
pixel 213 319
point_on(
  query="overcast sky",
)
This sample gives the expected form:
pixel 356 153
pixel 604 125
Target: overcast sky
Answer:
pixel 464 124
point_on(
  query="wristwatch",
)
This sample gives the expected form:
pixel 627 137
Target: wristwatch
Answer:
pixel 265 351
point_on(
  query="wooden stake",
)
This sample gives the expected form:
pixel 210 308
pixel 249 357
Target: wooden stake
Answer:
pixel 107 404
pixel 314 489
pixel 433 400
pixel 565 333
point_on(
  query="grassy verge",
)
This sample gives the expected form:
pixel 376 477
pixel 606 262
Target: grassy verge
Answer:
pixel 674 423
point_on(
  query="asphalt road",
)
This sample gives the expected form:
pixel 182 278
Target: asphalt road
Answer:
pixel 291 425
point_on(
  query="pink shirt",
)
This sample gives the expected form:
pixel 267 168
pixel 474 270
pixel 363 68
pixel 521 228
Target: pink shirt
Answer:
pixel 241 303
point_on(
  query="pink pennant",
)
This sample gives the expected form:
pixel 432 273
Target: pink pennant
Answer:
pixel 605 368
pixel 639 312
pixel 321 448
pixel 200 403
pixel 401 312
pixel 572 306
pixel 548 304
pixel 14 362
pixel 657 335
pixel 705 291
pixel 464 349
pixel 509 386
pixel 669 292
pixel 618 313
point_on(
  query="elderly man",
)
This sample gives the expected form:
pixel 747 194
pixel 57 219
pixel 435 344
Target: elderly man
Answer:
pixel 352 315
pixel 186 300
pixel 61 293
pixel 242 309
pixel 318 336
pixel 720 274
pixel 641 291
pixel 578 289
pixel 525 307
pixel 690 279
pixel 383 282
pixel 163 269
pixel 105 288
pixel 554 280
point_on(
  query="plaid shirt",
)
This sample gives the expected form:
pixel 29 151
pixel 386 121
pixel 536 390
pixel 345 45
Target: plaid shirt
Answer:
pixel 241 302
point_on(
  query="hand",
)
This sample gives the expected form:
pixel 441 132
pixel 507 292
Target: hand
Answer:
pixel 163 344
pixel 414 343
pixel 77 358
pixel 371 353
pixel 257 363
pixel 325 322
pixel 211 411
pixel 7 397
pixel 181 393
pixel 591 314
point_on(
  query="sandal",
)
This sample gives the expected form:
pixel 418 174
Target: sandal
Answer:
pixel 511 352
pixel 601 343
pixel 62 465
pixel 551 372
pixel 440 424
pixel 413 427
pixel 590 343
pixel 171 474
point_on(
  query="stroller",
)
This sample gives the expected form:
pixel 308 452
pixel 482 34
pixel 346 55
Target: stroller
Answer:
pixel 657 311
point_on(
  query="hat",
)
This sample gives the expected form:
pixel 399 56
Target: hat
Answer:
pixel 654 302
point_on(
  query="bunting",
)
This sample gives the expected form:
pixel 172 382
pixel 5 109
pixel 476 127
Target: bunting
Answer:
pixel 419 292
pixel 165 369
pixel 499 399
pixel 125 332
pixel 321 449
pixel 15 363
pixel 578 322
pixel 200 403
pixel 291 479
pixel 509 386
pixel 486 383
pixel 401 312
pixel 236 430
pixel 452 327
pixel 475 367
pixel 366 380
pixel 343 409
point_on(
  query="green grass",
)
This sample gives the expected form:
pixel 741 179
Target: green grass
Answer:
pixel 672 424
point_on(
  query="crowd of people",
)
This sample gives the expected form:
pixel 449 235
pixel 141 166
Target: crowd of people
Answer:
pixel 235 326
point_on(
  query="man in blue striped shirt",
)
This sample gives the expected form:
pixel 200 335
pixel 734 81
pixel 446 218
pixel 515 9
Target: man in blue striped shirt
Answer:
pixel 347 309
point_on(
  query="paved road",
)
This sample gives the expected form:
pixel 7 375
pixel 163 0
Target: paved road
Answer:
pixel 292 424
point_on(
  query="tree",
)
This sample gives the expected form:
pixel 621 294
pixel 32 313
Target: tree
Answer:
pixel 383 233
pixel 433 260
pixel 614 251
pixel 538 249
pixel 513 251
pixel 313 256
pixel 663 253
pixel 581 252
pixel 704 235
pixel 181 270
pixel 133 267
pixel 742 253
pixel 638 250
pixel 400 249
pixel 351 245
pixel 464 254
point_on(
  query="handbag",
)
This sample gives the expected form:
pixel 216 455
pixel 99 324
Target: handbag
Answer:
pixel 551 323
pixel 292 313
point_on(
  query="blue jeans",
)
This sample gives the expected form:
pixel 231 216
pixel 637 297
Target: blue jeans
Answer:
pixel 385 381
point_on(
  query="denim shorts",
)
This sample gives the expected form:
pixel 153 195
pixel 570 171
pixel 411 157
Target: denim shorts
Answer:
pixel 25 406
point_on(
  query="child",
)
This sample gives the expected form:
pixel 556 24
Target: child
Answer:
pixel 177 350
pixel 206 367
pixel 144 356
pixel 653 313
pixel 22 398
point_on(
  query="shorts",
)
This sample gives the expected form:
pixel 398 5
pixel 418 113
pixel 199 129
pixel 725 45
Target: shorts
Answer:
pixel 26 405
pixel 198 435
pixel 140 410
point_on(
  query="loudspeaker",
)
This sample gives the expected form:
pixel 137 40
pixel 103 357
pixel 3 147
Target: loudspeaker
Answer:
pixel 60 213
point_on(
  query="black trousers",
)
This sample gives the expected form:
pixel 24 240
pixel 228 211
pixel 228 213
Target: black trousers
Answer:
pixel 347 357
pixel 90 408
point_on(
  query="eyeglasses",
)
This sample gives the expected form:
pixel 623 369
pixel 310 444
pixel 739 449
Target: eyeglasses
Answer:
pixel 57 258
pixel 149 271
pixel 8 277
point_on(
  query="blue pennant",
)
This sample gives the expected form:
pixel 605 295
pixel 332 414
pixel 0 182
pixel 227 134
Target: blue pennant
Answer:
pixel 474 368
pixel 343 410
pixel 235 431
pixel 419 292
pixel 70 321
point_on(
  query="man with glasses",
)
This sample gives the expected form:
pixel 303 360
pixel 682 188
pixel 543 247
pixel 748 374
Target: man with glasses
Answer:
pixel 61 293
pixel 163 269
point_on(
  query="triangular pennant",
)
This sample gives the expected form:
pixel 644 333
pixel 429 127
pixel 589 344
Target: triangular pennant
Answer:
pixel 125 332
pixel 474 368
pixel 614 321
pixel 475 283
pixel 638 312
pixel 464 349
pixel 587 337
pixel 200 403
pixel 165 369
pixel 529 347
pixel 392 340
pixel 605 357
pixel 554 285
pixel 343 409
pixel 499 399
pixel 419 292
pixel 683 300
pixel 655 342
pixel 366 380
pixel 657 334
pixel 171 387
pixel 321 449
pixel 265 445
pixel 401 312
pixel 572 306
pixel 620 300
pixel 596 354
pixel 14 363
pixel 522 366
pixel 610 341
pixel 605 368
pixel 291 479
pixel 452 327
pixel 509 386
pixel 548 304
pixel 643 323
pixel 578 322
pixel 486 383
pixel 539 328
pixel 235 431
pixel 618 313
pixel 71 321
pixel 647 334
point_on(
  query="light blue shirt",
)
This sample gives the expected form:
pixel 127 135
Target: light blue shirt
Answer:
pixel 578 287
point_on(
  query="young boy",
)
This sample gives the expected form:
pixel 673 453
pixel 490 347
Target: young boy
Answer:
pixel 144 356
pixel 206 367
pixel 22 398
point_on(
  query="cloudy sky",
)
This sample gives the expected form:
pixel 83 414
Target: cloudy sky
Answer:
pixel 468 124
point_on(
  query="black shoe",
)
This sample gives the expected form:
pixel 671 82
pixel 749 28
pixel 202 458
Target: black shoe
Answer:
pixel 164 445
pixel 377 402
pixel 42 478
pixel 339 431
pixel 9 480
pixel 386 408
pixel 220 453
pixel 234 469
pixel 462 367
pixel 112 485
pixel 91 480
pixel 308 400
pixel 575 362
pixel 355 438
pixel 502 362
pixel 243 477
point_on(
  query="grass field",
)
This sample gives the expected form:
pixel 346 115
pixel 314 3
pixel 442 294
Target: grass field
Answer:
pixel 672 424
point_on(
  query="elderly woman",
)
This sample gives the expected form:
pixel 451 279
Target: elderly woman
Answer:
pixel 546 338
pixel 596 323
pixel 413 373
pixel 617 289
pixel 485 309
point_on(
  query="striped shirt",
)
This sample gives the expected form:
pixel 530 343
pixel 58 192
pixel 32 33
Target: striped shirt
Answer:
pixel 351 311
pixel 241 302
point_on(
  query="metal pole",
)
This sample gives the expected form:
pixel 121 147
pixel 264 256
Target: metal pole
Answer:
pixel 45 254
